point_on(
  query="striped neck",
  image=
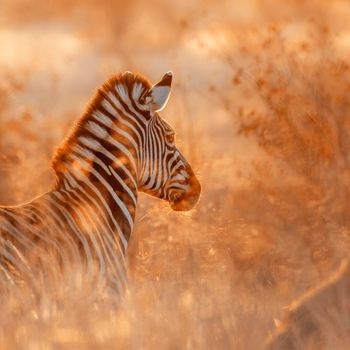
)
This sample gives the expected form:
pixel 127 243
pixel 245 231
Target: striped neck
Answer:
pixel 101 199
pixel 99 164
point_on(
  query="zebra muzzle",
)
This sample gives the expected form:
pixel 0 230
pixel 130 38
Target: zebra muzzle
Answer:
pixel 186 200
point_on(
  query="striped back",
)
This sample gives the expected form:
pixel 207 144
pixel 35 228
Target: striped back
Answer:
pixel 119 146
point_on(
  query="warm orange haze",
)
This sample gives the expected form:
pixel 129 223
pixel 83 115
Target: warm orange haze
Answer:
pixel 260 106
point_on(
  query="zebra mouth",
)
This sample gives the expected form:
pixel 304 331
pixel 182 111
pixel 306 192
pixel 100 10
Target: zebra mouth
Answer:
pixel 185 198
pixel 182 201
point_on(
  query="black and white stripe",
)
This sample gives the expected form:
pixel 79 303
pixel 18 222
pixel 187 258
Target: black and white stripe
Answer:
pixel 119 146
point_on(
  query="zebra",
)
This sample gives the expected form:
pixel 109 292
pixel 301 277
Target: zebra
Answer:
pixel 118 147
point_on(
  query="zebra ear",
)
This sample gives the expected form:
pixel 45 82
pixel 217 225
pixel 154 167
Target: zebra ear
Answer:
pixel 159 94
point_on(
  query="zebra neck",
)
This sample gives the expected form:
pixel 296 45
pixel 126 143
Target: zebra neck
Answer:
pixel 99 164
pixel 100 202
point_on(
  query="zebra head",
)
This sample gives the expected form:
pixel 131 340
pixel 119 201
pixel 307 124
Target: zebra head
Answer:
pixel 165 173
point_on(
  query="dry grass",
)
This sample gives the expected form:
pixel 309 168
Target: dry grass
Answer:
pixel 260 105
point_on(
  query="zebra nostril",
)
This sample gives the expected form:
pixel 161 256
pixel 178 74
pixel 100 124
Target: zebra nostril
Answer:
pixel 176 196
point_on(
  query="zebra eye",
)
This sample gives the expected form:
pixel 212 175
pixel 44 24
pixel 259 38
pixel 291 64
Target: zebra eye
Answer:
pixel 170 138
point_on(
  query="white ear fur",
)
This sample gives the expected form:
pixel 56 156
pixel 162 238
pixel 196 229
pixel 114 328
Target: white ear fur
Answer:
pixel 159 94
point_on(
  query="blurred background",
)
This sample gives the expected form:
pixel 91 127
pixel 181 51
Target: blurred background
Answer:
pixel 261 107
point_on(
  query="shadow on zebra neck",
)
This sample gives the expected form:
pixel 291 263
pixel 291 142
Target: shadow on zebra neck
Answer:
pixel 120 146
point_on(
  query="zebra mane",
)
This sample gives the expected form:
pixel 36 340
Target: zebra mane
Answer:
pixel 130 81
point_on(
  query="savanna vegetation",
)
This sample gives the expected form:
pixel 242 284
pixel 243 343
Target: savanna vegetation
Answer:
pixel 261 107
